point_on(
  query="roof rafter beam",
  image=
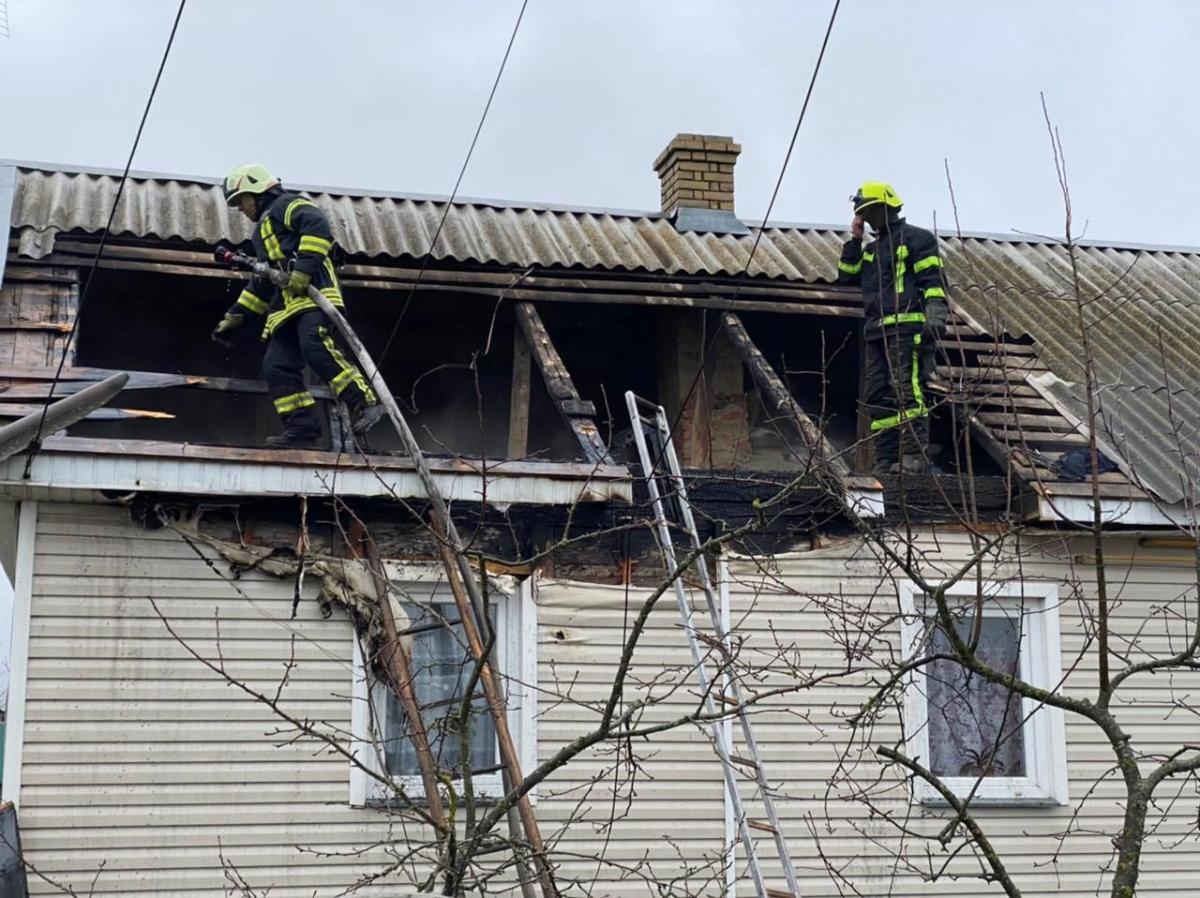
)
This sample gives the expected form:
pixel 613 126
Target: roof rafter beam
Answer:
pixel 776 392
pixel 578 413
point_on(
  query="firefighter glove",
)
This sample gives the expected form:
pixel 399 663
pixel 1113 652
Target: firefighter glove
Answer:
pixel 298 282
pixel 223 331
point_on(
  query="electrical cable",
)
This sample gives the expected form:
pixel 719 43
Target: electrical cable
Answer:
pixel 712 341
pixel 454 193
pixel 36 444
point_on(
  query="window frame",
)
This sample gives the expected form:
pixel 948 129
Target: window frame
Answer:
pixel 515 613
pixel 1045 783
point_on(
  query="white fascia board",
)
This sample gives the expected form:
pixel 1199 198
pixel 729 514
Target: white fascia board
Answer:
pixel 866 503
pixel 73 471
pixel 1127 512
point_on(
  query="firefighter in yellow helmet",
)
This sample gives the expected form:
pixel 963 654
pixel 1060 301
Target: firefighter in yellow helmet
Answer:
pixel 904 299
pixel 293 234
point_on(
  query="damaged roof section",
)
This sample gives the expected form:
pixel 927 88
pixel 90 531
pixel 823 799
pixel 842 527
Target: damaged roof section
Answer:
pixel 1143 303
pixel 1142 309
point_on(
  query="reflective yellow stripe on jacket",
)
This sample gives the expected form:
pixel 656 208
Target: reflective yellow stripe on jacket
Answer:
pixel 270 240
pixel 903 318
pixel 292 207
pixel 901 267
pixel 294 304
pixel 254 303
pixel 312 244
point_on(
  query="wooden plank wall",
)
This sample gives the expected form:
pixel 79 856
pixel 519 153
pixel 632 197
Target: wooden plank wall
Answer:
pixel 38 305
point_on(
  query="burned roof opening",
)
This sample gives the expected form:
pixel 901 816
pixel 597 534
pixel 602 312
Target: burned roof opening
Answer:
pixel 607 350
pixel 818 359
pixel 999 288
pixel 450 366
pixel 149 321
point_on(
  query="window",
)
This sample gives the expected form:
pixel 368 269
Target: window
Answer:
pixel 441 668
pixel 970 731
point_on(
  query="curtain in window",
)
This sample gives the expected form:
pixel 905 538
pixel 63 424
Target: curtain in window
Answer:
pixel 975 725
pixel 441 668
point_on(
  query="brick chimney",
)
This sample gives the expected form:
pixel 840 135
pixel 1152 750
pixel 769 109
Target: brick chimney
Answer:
pixel 696 171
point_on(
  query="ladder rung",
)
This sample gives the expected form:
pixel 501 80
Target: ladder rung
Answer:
pixel 672 517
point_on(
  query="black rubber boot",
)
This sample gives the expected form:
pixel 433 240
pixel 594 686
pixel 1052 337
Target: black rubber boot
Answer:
pixel 293 439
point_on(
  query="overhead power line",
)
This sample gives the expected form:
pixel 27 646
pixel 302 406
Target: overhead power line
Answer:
pixel 457 184
pixel 104 237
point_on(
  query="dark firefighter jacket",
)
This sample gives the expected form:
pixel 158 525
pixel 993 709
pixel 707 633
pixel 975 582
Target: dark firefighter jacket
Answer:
pixel 293 234
pixel 900 274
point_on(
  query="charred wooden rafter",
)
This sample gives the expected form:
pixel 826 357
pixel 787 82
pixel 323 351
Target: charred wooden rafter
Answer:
pixel 780 398
pixel 578 413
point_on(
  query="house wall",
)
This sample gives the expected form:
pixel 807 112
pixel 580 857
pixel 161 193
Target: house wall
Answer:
pixel 670 814
pixel 779 607
pixel 37 308
pixel 137 757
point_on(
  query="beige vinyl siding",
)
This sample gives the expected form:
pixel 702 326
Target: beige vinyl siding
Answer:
pixel 674 826
pixel 137 756
pixel 778 602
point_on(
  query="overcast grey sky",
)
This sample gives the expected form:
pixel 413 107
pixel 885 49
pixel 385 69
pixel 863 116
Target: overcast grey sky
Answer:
pixel 385 95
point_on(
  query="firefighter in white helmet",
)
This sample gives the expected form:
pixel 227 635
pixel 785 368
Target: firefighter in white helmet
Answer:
pixel 293 234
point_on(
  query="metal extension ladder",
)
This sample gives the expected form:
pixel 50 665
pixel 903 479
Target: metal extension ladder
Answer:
pixel 650 427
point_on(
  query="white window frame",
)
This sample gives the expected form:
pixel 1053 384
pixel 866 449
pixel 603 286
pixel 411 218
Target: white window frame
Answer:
pixel 516 627
pixel 1045 782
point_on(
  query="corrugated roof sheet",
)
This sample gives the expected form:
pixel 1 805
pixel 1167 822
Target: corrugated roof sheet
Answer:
pixel 401 227
pixel 1151 297
pixel 1143 324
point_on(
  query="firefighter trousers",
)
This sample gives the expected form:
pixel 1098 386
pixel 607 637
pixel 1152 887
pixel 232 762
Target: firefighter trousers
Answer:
pixel 898 367
pixel 308 339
